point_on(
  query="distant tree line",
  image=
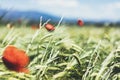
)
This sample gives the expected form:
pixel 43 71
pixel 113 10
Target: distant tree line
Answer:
pixel 31 22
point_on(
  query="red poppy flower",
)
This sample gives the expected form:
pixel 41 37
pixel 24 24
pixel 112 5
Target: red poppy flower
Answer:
pixel 80 23
pixel 49 27
pixel 15 59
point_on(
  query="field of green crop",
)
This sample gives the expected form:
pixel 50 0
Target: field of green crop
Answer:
pixel 68 53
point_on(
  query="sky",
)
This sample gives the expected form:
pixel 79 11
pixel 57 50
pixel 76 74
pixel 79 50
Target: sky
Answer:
pixel 84 9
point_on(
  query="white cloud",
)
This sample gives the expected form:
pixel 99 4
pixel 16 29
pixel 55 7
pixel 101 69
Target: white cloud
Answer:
pixel 73 8
pixel 70 8
pixel 58 3
pixel 110 10
pixel 115 5
pixel 103 11
pixel 60 7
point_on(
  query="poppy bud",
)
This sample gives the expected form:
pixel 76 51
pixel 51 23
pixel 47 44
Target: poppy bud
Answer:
pixel 49 27
pixel 15 59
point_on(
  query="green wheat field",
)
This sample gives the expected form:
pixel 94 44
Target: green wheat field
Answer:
pixel 67 53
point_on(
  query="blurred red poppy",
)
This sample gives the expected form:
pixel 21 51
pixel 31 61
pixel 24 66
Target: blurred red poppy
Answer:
pixel 49 27
pixel 15 59
pixel 35 27
pixel 19 21
pixel 80 22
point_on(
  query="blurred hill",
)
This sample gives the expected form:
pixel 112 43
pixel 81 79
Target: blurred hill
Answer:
pixel 29 16
pixel 14 15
